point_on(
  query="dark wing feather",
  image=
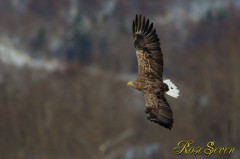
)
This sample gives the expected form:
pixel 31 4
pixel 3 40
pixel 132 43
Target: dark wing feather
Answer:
pixel 149 54
pixel 158 109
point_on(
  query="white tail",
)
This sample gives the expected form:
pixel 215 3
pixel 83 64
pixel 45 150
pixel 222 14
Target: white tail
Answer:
pixel 173 91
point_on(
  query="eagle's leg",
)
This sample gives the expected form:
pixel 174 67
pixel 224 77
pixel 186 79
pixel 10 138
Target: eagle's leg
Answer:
pixel 150 118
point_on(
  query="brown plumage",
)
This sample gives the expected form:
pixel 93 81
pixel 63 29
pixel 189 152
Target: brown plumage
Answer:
pixel 150 68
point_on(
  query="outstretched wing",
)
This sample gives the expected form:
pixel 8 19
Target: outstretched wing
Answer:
pixel 158 109
pixel 149 54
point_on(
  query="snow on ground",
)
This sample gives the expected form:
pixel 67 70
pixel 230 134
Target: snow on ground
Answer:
pixel 11 56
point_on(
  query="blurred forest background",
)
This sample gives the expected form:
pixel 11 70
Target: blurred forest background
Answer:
pixel 64 66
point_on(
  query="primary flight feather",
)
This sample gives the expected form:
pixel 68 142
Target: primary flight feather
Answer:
pixel 150 68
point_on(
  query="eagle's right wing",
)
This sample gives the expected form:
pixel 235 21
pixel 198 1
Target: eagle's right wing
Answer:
pixel 158 109
pixel 149 54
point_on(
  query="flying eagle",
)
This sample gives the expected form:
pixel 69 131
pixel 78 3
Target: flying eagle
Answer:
pixel 150 68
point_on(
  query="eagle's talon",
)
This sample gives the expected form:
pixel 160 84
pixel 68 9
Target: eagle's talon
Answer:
pixel 150 118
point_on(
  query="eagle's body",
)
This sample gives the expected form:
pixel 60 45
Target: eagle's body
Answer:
pixel 150 68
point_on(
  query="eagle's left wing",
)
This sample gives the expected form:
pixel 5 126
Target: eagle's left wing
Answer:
pixel 158 109
pixel 149 54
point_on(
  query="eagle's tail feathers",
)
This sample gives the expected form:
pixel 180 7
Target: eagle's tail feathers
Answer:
pixel 173 91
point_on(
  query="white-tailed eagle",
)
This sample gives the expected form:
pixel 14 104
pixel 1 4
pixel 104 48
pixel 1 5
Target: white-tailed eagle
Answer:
pixel 150 68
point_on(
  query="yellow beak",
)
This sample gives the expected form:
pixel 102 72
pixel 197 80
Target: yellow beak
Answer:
pixel 130 83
